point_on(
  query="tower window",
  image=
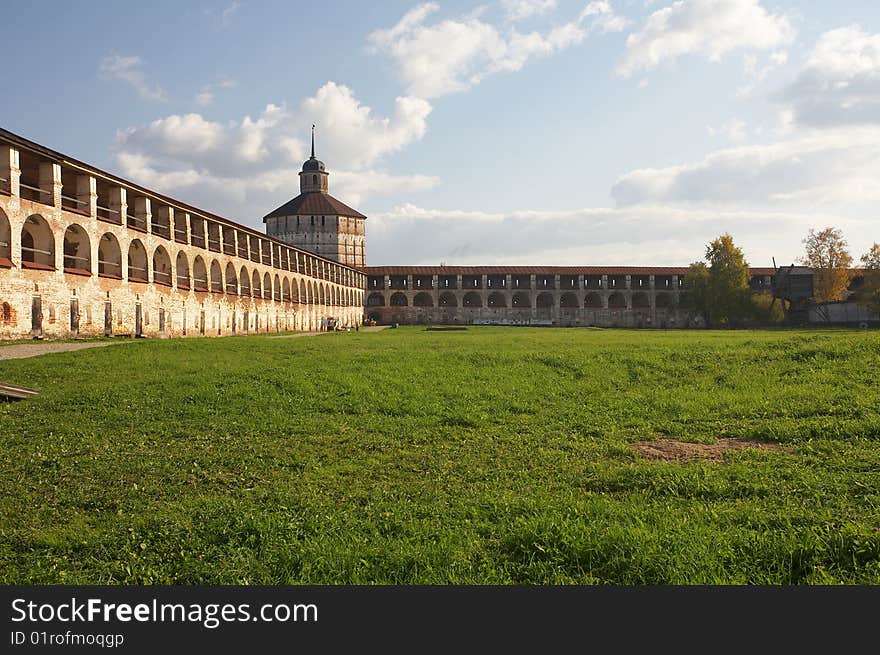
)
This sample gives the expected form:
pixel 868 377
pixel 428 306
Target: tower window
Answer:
pixel 322 221
pixel 312 218
pixel 314 179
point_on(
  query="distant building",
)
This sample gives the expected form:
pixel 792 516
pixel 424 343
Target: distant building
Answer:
pixel 608 296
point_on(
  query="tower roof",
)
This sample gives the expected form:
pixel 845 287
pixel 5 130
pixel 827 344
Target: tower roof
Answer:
pixel 314 204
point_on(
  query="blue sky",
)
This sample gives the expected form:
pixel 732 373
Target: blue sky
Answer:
pixel 509 132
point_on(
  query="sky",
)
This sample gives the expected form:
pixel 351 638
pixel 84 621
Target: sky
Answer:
pixel 532 132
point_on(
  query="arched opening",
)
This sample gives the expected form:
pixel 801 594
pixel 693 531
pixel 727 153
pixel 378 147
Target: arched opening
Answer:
pixel 662 301
pixel 37 244
pixel 200 274
pixel 375 300
pixel 640 300
pixel 109 257
pixel 303 296
pixel 276 289
pixel 593 301
pixel 472 299
pixel 182 271
pixel 447 299
pixel 231 280
pixel 161 267
pixel 497 299
pixel 521 300
pixel 267 287
pixel 245 281
pixel 544 300
pixel 423 300
pixel 77 251
pixel 322 298
pixel 216 277
pixel 257 288
pixel 5 239
pixel 285 290
pixel 398 299
pixel 616 301
pixel 568 301
pixel 137 262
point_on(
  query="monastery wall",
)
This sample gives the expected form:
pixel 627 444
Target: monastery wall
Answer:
pixel 82 253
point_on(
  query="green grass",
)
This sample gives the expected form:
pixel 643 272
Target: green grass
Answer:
pixel 495 455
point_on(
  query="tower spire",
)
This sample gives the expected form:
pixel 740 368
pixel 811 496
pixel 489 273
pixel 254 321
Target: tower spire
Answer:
pixel 313 141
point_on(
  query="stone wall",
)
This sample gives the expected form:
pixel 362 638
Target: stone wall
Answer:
pixel 574 315
pixel 542 299
pixel 58 280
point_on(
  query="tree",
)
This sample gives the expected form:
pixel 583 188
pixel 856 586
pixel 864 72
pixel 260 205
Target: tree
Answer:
pixel 696 281
pixel 720 291
pixel 828 255
pixel 869 294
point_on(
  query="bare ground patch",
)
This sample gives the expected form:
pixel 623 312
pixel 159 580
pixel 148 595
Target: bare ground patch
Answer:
pixel 670 450
pixel 24 350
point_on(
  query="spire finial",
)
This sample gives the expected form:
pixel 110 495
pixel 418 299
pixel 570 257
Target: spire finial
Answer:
pixel 313 141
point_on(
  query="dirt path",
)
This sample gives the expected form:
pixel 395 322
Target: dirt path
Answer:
pixel 20 351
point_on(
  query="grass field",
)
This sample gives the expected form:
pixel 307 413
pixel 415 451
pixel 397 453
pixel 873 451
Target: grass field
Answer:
pixel 494 455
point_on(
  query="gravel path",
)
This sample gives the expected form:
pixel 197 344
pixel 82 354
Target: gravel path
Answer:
pixel 20 351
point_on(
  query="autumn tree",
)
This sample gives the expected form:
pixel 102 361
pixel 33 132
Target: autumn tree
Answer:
pixel 869 294
pixel 827 253
pixel 720 291
pixel 696 281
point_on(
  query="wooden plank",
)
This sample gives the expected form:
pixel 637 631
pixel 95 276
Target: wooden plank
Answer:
pixel 17 393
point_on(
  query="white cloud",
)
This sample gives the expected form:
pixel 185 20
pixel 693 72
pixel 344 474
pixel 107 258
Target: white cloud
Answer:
pixel 840 81
pixel 206 94
pixel 647 236
pixel 711 28
pixel 204 97
pixel 453 55
pixel 240 168
pixel 356 186
pixel 734 130
pixel 227 14
pixel 177 136
pixel 517 10
pixel 604 18
pixel 755 73
pixel 832 167
pixel 117 67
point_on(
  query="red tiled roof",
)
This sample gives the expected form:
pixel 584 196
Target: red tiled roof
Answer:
pixel 533 270
pixel 314 203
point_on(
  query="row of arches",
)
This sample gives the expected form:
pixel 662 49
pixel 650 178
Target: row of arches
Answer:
pixel 38 251
pixel 520 300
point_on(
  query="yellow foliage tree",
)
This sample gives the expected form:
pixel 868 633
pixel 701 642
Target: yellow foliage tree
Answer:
pixel 827 253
